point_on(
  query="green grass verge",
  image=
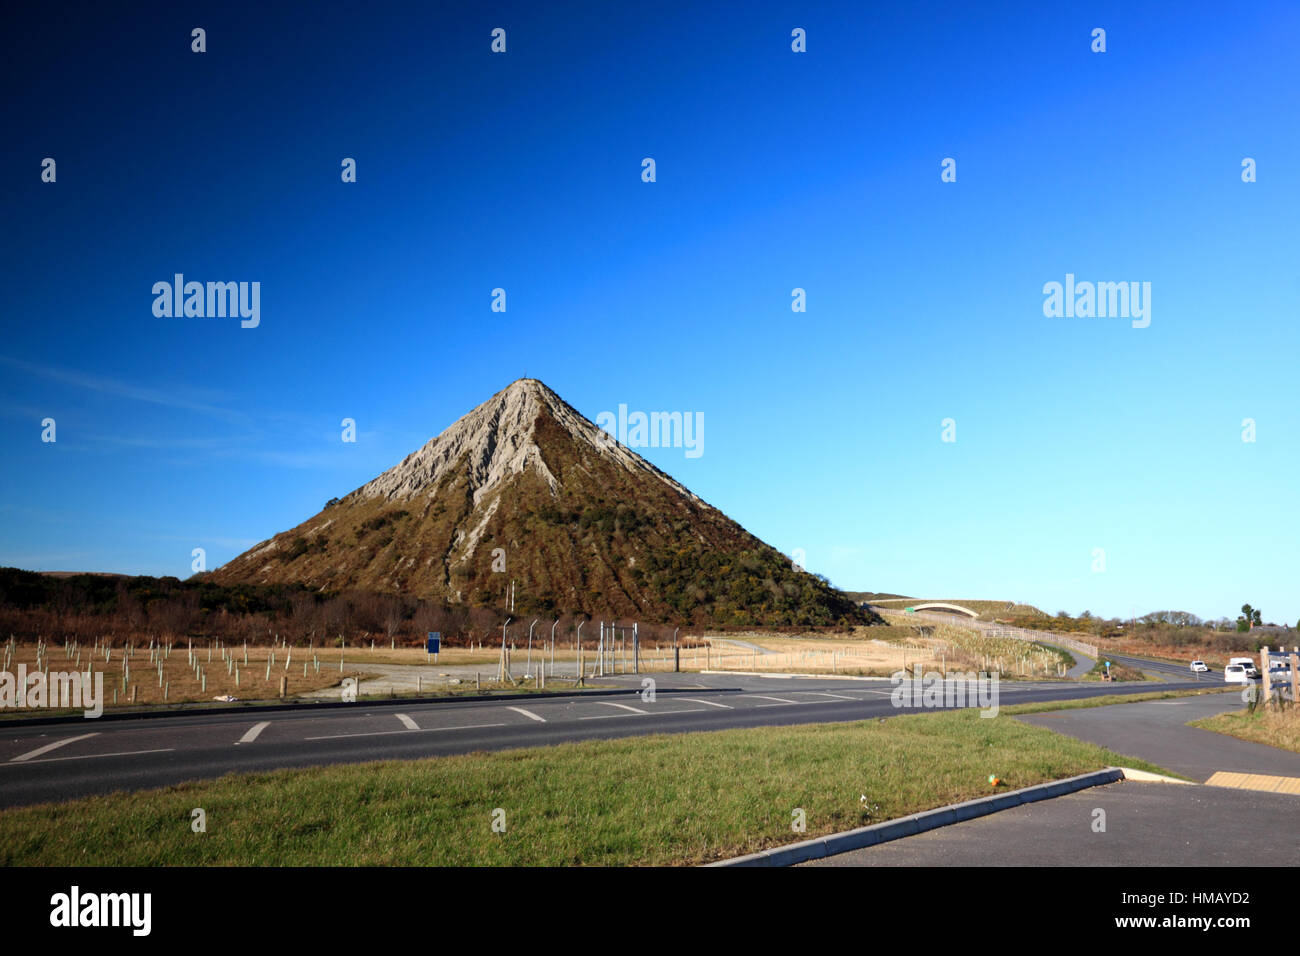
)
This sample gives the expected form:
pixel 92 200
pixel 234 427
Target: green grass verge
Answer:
pixel 1102 701
pixel 664 799
pixel 1281 730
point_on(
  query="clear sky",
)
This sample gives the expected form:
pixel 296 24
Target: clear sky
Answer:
pixel 775 170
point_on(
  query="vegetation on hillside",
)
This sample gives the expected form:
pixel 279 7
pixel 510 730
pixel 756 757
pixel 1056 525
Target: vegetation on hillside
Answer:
pixel 602 541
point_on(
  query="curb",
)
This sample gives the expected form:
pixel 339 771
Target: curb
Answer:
pixel 837 843
pixel 1145 776
pixel 254 707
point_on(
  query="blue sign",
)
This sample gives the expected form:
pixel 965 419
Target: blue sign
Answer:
pixel 435 639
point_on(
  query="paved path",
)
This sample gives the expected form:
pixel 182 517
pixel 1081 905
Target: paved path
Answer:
pixel 1147 824
pixel 1155 731
pixel 1082 663
pixel 745 644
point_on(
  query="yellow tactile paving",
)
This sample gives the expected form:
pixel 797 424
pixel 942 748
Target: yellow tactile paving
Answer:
pixel 1255 781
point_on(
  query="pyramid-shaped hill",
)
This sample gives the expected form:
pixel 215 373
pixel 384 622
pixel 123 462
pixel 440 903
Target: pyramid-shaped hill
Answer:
pixel 579 522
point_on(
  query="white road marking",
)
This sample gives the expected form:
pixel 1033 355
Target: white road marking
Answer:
pixel 387 733
pixel 822 693
pixel 697 700
pixel 407 722
pixel 48 747
pixel 664 713
pixel 124 753
pixel 253 731
pixel 765 697
pixel 610 703
pixel 528 713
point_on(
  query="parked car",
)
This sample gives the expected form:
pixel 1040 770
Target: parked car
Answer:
pixel 1198 667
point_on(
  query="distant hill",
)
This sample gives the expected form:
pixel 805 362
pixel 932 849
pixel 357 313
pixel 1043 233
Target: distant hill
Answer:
pixel 523 488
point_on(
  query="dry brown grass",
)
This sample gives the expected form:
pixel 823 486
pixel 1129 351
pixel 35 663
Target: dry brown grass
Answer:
pixel 128 668
pixel 883 651
pixel 1276 728
pixel 199 673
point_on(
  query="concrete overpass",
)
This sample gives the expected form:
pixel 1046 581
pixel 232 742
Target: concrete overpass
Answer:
pixel 940 606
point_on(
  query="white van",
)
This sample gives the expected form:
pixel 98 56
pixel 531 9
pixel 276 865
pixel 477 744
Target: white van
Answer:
pixel 1235 674
pixel 1248 664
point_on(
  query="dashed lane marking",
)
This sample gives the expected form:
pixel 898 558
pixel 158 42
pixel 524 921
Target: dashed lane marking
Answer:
pixel 711 703
pixel 528 713
pixel 388 733
pixel 253 731
pixel 31 754
pixel 123 753
pixel 610 703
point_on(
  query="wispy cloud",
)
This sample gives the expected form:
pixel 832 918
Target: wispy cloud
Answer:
pixel 119 389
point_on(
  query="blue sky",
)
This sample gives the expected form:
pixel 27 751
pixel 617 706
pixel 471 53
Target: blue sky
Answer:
pixel 775 170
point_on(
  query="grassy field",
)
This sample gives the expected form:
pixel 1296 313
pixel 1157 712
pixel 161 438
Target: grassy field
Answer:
pixel 177 673
pixel 881 651
pixel 965 648
pixel 661 800
pixel 872 652
pixel 1275 728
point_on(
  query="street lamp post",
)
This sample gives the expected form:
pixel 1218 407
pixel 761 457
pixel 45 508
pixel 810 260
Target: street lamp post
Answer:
pixel 501 665
pixel 557 621
pixel 579 648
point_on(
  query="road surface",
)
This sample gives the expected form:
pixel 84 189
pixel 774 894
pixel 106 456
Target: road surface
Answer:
pixel 62 761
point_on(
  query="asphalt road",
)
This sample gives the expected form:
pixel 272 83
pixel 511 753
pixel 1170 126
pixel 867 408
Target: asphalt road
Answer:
pixel 1157 731
pixel 1147 824
pixel 64 761
pixel 1165 670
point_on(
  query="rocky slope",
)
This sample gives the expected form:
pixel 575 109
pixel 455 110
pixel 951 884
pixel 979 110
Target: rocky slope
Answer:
pixel 524 488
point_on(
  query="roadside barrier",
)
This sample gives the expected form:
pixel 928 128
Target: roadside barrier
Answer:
pixel 1280 670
